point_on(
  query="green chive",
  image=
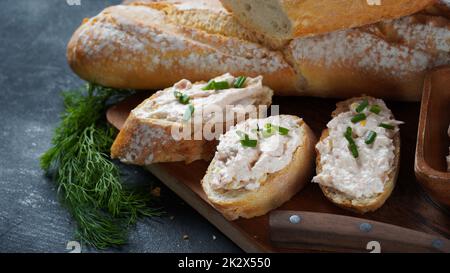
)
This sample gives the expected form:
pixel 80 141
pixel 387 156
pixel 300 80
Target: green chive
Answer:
pixel 362 106
pixel 359 117
pixel 182 98
pixel 247 142
pixel 189 112
pixel 213 85
pixel 354 150
pixel 349 135
pixel 221 85
pixel 376 109
pixel 371 136
pixel 387 126
pixel 283 131
pixel 351 143
pixel 209 86
pixel 239 83
pixel 268 133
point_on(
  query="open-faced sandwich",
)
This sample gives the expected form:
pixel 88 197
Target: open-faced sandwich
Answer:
pixel 358 155
pixel 259 165
pixel 169 126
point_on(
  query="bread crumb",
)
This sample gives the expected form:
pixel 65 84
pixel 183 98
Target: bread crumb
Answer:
pixel 156 192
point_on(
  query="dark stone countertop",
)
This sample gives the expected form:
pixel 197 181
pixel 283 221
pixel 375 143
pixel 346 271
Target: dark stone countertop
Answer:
pixel 33 71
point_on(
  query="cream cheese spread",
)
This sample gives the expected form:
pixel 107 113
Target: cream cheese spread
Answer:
pixel 364 175
pixel 237 166
pixel 165 105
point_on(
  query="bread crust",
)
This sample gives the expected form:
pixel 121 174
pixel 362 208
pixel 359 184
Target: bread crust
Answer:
pixel 362 205
pixel 388 59
pixel 138 47
pixel 300 18
pixel 143 141
pixel 277 189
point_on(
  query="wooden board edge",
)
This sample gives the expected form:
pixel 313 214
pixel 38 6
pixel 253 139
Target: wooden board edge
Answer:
pixel 232 231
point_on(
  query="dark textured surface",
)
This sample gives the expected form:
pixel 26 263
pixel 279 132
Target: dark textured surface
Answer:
pixel 33 71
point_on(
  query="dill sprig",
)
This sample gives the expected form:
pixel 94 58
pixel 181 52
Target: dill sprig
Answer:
pixel 89 183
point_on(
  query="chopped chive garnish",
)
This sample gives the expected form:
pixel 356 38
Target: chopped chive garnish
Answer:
pixel 247 142
pixel 268 133
pixel 349 135
pixel 387 126
pixel 221 85
pixel 209 86
pixel 182 98
pixel 283 131
pixel 351 143
pixel 189 112
pixel 270 128
pixel 371 136
pixel 239 83
pixel 376 109
pixel 213 85
pixel 354 150
pixel 359 117
pixel 362 106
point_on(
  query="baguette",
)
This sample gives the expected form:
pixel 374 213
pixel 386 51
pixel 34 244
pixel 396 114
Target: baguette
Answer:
pixel 153 131
pixel 211 17
pixel 289 19
pixel 248 182
pixel 364 183
pixel 138 47
pixel 388 59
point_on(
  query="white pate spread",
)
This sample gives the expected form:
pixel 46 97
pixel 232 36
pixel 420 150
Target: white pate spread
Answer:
pixel 366 175
pixel 164 104
pixel 239 167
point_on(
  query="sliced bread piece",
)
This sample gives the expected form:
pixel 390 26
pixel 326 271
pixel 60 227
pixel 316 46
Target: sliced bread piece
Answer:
pixel 154 130
pixel 259 165
pixel 357 168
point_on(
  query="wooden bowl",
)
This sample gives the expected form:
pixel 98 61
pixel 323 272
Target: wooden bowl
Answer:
pixel 432 139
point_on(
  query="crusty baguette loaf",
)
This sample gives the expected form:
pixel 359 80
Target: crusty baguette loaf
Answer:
pixel 147 136
pixel 138 47
pixel 364 204
pixel 275 189
pixel 208 16
pixel 387 59
pixel 288 19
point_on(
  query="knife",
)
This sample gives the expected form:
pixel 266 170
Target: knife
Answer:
pixel 330 232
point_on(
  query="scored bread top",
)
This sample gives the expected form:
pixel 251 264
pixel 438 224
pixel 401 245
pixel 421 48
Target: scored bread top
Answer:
pixel 360 174
pixel 139 47
pixel 251 150
pixel 394 48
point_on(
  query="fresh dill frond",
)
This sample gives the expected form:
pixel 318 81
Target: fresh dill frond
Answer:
pixel 88 182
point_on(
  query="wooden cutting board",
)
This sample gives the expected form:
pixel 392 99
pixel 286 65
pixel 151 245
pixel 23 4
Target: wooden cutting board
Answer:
pixel 408 206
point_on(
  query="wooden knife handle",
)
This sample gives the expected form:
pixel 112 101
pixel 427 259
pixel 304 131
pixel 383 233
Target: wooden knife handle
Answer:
pixel 329 232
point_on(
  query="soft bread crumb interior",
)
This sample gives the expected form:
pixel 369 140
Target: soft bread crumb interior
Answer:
pixel 266 16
